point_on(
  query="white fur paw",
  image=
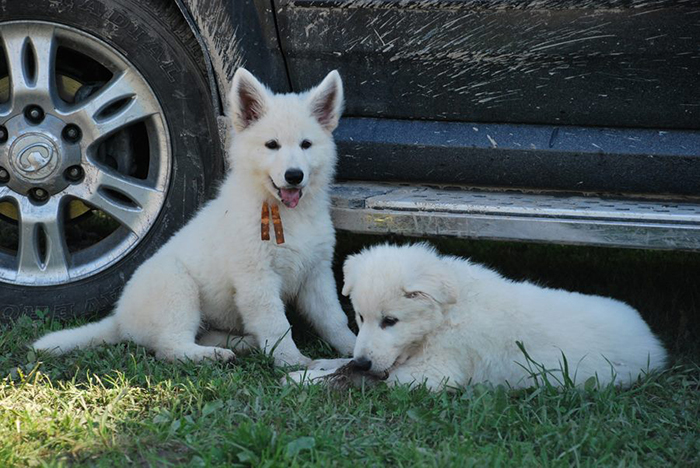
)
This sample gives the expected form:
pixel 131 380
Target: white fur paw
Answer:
pixel 197 353
pixel 224 355
pixel 284 359
pixel 327 364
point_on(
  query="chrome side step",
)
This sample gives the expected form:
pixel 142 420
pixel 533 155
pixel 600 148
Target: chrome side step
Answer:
pixel 375 208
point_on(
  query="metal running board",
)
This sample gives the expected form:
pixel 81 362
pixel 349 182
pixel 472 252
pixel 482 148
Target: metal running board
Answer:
pixel 411 210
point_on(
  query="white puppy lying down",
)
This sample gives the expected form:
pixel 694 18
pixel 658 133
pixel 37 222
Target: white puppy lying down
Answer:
pixel 444 321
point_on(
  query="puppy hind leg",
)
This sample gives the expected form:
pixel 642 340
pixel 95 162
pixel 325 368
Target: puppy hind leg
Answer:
pixel 161 311
pixel 194 352
pixel 238 343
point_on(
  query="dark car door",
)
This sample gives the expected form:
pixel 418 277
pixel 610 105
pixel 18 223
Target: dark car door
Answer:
pixel 565 94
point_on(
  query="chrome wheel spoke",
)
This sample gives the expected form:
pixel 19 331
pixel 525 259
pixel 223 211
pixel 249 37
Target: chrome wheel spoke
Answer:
pixel 118 104
pixel 42 225
pixel 119 87
pixel 133 204
pixel 5 109
pixel 31 54
pixel 4 159
pixel 135 111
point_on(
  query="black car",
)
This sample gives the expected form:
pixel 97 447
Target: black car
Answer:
pixel 564 121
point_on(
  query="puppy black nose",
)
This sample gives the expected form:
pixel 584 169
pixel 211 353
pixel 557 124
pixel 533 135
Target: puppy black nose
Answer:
pixel 294 176
pixel 362 364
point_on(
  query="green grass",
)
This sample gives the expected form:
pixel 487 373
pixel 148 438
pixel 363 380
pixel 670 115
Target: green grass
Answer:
pixel 117 405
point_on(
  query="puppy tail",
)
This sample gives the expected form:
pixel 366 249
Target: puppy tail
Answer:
pixel 87 336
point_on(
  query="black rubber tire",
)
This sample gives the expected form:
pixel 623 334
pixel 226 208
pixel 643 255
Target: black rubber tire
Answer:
pixel 152 35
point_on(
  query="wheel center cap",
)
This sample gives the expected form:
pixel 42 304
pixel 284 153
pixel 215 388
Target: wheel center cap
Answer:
pixel 34 156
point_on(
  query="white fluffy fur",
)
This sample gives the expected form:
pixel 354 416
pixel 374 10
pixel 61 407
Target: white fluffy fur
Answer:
pixel 458 323
pixel 218 271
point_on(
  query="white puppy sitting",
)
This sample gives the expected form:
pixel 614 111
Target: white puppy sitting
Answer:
pixel 444 321
pixel 223 269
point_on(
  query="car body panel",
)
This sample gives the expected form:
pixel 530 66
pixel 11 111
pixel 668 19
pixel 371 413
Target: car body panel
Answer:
pixel 572 95
pixel 612 63
pixel 240 33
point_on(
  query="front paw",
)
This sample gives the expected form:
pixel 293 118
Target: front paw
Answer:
pixel 288 359
pixel 327 364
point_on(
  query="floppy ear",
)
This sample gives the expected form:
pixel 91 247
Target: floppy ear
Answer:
pixel 433 285
pixel 248 99
pixel 326 101
pixel 348 274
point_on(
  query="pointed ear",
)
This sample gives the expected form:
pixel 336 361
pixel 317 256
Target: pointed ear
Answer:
pixel 326 101
pixel 348 274
pixel 248 99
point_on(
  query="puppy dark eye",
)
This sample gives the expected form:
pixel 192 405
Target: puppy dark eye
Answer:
pixel 388 322
pixel 362 319
pixel 306 144
pixel 272 144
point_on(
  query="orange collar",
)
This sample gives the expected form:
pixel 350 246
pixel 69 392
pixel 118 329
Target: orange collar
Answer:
pixel 276 223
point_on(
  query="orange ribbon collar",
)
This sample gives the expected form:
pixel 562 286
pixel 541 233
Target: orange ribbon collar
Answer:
pixel 276 223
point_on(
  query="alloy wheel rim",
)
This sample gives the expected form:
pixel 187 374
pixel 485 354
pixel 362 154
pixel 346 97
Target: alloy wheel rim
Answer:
pixel 58 152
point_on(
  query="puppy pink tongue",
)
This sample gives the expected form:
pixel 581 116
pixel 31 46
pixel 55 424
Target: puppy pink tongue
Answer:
pixel 290 197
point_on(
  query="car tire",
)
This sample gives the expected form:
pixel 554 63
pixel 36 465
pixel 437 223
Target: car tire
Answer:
pixel 153 38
